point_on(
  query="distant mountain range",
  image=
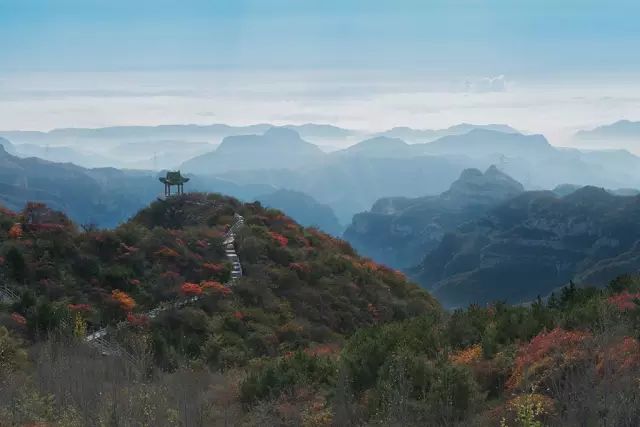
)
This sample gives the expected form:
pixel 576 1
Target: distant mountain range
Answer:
pixel 277 148
pixel 621 134
pixel 534 243
pixel 400 231
pixel 622 129
pixel 108 196
pixel 427 135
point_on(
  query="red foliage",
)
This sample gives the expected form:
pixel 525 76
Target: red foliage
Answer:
pixel 624 301
pixel 7 212
pixel 620 356
pixel 15 232
pixel 238 315
pixel 18 318
pixel 215 267
pixel 547 351
pixel 190 289
pixel 123 299
pixel 282 241
pixel 82 308
pixel 138 320
pixel 216 287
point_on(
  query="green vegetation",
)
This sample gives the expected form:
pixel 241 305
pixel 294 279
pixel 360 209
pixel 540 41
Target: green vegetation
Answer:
pixel 312 335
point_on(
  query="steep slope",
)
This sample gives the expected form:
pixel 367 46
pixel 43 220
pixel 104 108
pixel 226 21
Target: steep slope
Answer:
pixel 400 231
pixel 277 148
pixel 304 209
pixel 534 243
pixel 300 287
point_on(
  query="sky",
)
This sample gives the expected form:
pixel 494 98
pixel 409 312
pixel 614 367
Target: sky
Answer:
pixel 546 66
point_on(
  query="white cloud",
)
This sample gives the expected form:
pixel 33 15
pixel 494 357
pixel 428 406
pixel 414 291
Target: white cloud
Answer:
pixel 487 84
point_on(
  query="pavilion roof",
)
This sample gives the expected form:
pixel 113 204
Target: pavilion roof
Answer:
pixel 174 178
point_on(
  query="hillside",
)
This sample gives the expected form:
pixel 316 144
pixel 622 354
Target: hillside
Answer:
pixel 400 231
pixel 296 279
pixel 534 243
pixel 311 335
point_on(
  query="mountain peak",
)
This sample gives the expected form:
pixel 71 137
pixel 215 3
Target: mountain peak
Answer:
pixel 282 134
pixel 474 185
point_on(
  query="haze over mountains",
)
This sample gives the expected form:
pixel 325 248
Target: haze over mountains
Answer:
pixel 399 231
pixel 535 242
pixel 413 199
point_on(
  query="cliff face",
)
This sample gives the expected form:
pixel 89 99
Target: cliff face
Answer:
pixel 400 231
pixel 533 243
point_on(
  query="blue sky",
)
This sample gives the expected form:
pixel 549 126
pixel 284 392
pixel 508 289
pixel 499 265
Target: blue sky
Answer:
pixel 527 37
pixel 550 66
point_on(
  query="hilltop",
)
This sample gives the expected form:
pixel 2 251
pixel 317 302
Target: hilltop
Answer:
pixel 301 287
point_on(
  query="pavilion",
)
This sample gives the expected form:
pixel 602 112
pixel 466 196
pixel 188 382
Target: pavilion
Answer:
pixel 173 178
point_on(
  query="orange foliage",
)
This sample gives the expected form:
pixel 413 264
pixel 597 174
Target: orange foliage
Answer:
pixel 167 252
pixel 282 241
pixel 624 301
pixel 215 267
pixel 15 232
pixel 216 287
pixel 323 350
pixel 467 356
pixel 370 265
pixel 190 289
pixel 373 311
pixel 123 299
pixel 18 318
pixel 545 354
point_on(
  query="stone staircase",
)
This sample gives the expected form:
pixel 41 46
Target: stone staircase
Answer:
pixel 106 347
pixel 230 248
pixel 7 296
